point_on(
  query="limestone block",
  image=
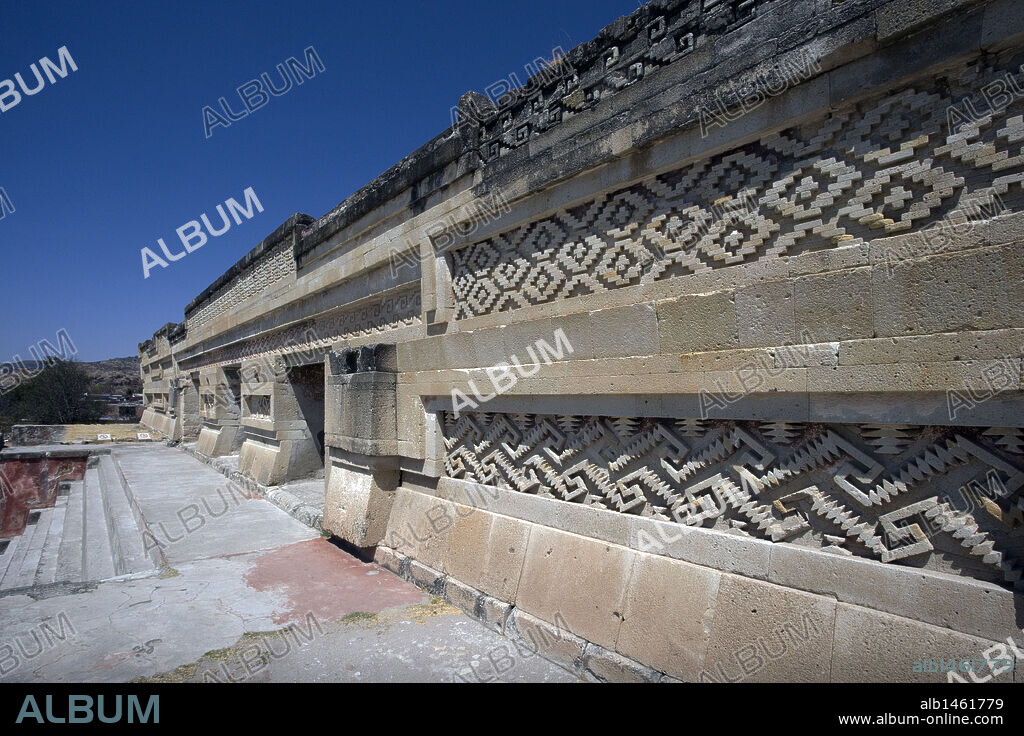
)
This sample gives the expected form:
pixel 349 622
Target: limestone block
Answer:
pixel 534 636
pixel 765 314
pixel 612 667
pixel 945 293
pixel 490 346
pixel 579 332
pixel 698 322
pixel 631 330
pixel 834 306
pixel 461 595
pixel 217 441
pixel 487 551
pixel 946 346
pixel 419 527
pixel 708 547
pixel 389 559
pixel 766 633
pixel 207 440
pixel 362 396
pixel 726 360
pixel 356 507
pixel 579 579
pixel 1013 259
pixel 425 577
pixel 265 463
pixel 878 647
pixel 753 378
pixel 981 376
pixel 968 606
pixel 491 612
pixel 670 609
pixel 459 351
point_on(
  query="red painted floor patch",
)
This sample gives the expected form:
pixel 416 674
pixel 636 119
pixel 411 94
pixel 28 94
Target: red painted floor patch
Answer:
pixel 321 579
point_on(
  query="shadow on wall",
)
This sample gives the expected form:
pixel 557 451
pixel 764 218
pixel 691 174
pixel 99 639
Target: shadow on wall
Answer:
pixel 308 383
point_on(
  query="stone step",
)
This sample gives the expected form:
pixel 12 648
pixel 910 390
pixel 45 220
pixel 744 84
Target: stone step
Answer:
pixel 26 576
pixel 8 556
pixel 25 551
pixel 46 572
pixel 125 536
pixel 99 556
pixel 71 553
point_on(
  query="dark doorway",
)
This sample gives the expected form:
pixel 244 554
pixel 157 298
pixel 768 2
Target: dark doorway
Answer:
pixel 233 379
pixel 308 384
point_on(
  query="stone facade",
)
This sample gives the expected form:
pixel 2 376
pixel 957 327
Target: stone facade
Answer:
pixel 744 335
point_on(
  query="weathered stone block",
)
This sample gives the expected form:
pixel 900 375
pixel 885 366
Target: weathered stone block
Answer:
pixel 419 526
pixel 487 551
pixel 971 607
pixel 389 559
pixel 879 647
pixel 945 293
pixel 698 322
pixel 629 330
pixel 492 612
pixel 766 633
pixel 612 667
pixel 765 314
pixel 669 612
pixel 581 580
pixel 833 306
pixel 554 642
pixel 356 506
pixel 461 595
pixel 431 580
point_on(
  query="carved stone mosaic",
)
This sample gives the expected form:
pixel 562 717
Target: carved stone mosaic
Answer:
pixel 276 265
pixel 625 52
pixel 888 165
pixel 937 497
pixel 377 315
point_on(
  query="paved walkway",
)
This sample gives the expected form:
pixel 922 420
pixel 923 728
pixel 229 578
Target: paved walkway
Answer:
pixel 247 593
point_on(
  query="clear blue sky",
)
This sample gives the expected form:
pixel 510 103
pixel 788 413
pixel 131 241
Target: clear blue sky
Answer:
pixel 109 159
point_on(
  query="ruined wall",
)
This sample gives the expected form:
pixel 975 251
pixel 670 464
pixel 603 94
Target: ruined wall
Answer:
pixel 28 483
pixel 711 335
pixel 26 435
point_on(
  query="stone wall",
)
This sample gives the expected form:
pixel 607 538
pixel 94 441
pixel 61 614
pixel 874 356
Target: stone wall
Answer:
pixel 27 435
pixel 29 480
pixel 708 337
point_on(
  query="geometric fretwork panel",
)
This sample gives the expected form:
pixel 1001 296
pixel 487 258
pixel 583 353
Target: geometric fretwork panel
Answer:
pixel 887 165
pixel 945 498
pixel 392 311
pixel 276 264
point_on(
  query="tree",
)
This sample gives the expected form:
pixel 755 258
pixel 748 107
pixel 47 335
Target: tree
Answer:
pixel 58 396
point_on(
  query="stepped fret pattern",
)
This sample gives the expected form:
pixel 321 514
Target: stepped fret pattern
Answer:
pixel 941 497
pixel 379 315
pixel 882 167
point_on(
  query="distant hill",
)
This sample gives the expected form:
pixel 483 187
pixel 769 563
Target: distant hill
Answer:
pixel 112 376
pixel 119 374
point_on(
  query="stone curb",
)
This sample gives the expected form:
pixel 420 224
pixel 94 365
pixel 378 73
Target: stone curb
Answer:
pixel 287 502
pixel 586 660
